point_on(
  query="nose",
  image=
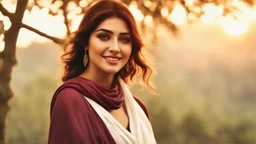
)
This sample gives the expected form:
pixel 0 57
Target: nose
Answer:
pixel 114 48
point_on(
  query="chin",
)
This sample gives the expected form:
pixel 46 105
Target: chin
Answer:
pixel 111 71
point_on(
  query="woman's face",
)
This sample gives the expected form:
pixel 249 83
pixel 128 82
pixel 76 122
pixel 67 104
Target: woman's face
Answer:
pixel 109 46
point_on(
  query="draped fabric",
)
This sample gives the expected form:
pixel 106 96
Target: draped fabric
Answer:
pixel 140 127
pixel 73 120
pixel 109 98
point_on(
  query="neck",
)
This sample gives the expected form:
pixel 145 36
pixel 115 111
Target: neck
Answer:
pixel 100 78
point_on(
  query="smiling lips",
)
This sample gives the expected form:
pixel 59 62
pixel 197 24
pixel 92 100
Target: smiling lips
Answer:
pixel 112 59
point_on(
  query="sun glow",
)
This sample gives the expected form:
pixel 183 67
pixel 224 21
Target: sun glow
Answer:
pixel 136 12
pixel 211 13
pixel 233 26
pixel 236 23
pixel 40 19
pixel 178 16
pixel 75 22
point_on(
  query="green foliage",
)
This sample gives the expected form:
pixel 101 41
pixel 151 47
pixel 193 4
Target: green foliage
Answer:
pixel 28 120
pixel 194 130
pixel 164 126
pixel 242 132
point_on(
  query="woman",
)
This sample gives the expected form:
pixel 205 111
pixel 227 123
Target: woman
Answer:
pixel 94 105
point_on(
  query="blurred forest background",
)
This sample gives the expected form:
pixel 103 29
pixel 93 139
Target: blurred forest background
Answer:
pixel 206 82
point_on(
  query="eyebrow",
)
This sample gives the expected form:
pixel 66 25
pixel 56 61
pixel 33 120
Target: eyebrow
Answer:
pixel 108 31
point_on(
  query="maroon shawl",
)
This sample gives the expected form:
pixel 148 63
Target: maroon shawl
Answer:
pixel 74 121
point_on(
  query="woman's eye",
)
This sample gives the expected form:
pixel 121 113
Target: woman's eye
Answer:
pixel 103 37
pixel 125 40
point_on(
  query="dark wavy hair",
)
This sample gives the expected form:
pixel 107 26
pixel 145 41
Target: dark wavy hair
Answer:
pixel 97 13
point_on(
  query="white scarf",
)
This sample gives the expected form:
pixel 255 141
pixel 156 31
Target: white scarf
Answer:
pixel 140 127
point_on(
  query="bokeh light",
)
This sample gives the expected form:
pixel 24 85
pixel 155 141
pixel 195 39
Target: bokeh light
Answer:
pixel 236 24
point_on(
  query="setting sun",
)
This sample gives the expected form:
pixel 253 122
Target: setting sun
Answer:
pixel 234 27
pixel 236 24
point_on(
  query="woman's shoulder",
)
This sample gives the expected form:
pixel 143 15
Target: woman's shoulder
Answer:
pixel 69 91
pixel 68 94
pixel 67 99
pixel 142 106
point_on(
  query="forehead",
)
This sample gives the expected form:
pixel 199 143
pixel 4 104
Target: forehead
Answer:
pixel 114 24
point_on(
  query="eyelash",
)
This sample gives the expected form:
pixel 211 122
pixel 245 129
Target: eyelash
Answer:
pixel 103 37
pixel 123 39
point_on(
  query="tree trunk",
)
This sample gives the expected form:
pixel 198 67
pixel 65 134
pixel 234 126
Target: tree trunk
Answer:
pixel 8 60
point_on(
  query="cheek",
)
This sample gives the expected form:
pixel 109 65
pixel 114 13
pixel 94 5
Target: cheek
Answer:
pixel 127 50
pixel 94 45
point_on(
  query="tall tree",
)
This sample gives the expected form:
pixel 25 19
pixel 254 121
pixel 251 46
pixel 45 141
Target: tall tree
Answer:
pixel 8 60
pixel 157 10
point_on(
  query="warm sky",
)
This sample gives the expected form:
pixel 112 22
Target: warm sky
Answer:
pixel 53 25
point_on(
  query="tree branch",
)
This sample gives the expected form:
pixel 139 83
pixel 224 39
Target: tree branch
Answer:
pixel 54 39
pixel 65 13
pixel 172 27
pixel 5 12
pixel 1 59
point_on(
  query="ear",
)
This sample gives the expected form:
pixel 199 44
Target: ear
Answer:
pixel 86 48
